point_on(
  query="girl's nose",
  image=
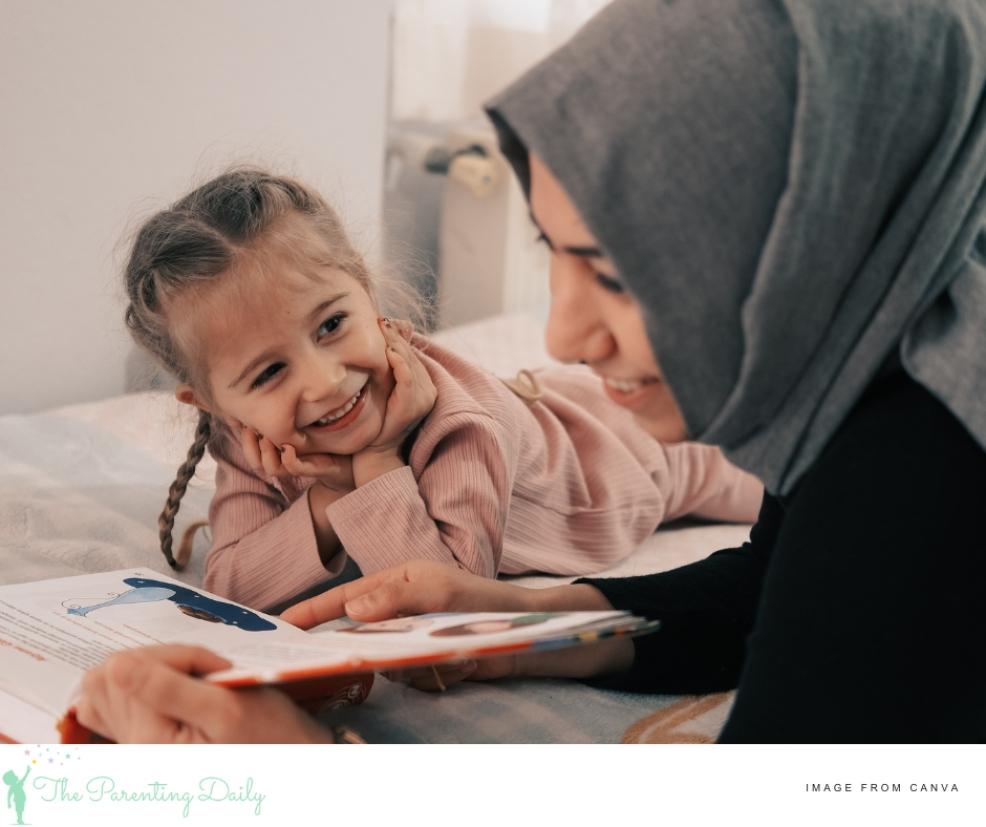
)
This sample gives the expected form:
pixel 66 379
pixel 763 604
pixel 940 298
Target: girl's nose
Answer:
pixel 321 377
pixel 576 331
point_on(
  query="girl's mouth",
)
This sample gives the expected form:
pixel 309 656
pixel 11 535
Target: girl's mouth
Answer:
pixel 341 417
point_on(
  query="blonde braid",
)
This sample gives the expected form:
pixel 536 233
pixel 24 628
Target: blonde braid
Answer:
pixel 166 522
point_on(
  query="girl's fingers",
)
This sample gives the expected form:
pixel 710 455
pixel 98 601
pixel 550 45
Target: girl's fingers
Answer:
pixel 314 465
pixel 291 462
pixel 422 381
pixel 251 449
pixel 397 332
pixel 318 465
pixel 403 327
pixel 324 467
pixel 414 371
pixel 270 458
pixel 403 377
pixel 401 353
pixel 414 392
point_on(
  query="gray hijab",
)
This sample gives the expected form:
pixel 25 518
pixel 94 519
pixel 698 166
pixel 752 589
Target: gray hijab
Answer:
pixel 793 190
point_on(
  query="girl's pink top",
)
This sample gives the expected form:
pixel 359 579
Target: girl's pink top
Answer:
pixel 569 484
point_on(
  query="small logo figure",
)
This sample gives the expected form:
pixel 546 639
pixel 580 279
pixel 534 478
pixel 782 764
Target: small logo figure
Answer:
pixel 16 795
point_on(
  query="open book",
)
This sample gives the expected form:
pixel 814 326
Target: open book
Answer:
pixel 51 631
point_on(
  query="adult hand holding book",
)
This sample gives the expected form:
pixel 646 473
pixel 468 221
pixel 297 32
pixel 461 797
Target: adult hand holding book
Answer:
pixel 153 695
pixel 109 652
pixel 424 586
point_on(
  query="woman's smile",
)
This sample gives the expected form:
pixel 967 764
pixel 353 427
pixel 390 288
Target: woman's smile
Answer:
pixel 631 393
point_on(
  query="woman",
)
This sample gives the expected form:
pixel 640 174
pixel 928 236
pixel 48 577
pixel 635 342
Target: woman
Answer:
pixel 766 226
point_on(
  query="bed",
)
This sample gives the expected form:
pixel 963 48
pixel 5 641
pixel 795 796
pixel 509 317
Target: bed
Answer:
pixel 81 487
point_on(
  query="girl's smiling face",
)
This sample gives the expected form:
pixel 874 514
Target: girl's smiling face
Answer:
pixel 293 349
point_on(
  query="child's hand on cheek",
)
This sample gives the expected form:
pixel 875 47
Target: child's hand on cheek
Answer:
pixel 410 401
pixel 335 472
pixel 332 470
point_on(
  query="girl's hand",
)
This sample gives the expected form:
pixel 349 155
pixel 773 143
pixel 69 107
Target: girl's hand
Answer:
pixel 266 459
pixel 150 695
pixel 410 401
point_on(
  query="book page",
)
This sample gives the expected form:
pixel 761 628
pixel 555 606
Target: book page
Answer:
pixel 52 631
pixel 435 636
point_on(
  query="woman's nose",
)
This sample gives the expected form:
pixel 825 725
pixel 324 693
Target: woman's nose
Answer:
pixel 576 331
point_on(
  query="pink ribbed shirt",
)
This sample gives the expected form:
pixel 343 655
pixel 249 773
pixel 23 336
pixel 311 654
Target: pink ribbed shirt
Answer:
pixel 569 484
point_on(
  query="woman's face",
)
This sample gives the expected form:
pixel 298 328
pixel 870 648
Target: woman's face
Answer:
pixel 593 318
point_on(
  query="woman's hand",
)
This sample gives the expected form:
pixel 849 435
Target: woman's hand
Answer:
pixel 416 587
pixel 424 586
pixel 266 459
pixel 410 401
pixel 151 695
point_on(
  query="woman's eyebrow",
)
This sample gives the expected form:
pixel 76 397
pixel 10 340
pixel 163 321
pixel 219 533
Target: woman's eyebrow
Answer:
pixel 583 251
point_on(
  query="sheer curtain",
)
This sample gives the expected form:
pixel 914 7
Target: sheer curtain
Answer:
pixel 450 55
pixel 468 254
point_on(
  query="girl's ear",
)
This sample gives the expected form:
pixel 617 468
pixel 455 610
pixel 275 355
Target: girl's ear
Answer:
pixel 185 393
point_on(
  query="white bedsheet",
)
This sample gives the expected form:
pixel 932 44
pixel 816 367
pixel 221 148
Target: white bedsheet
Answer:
pixel 81 488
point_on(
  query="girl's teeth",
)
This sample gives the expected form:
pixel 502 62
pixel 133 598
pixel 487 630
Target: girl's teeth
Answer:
pixel 325 420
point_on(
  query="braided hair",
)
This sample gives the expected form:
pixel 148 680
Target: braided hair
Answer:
pixel 197 240
pixel 166 522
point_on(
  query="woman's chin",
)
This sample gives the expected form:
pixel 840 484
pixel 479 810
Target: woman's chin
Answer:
pixel 664 427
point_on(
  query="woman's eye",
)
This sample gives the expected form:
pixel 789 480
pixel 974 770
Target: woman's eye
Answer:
pixel 266 375
pixel 610 284
pixel 543 239
pixel 330 325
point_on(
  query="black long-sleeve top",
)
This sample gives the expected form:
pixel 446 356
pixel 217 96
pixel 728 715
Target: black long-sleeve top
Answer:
pixel 857 610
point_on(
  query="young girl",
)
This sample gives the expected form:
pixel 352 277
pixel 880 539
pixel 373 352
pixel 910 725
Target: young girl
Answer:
pixel 339 434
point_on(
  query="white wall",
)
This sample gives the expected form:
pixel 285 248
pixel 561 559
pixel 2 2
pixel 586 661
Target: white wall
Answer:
pixel 109 109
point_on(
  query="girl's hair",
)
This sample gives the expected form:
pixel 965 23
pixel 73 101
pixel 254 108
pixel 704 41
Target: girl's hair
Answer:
pixel 189 245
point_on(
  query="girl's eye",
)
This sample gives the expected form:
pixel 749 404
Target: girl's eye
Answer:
pixel 266 375
pixel 330 325
pixel 543 239
pixel 610 284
